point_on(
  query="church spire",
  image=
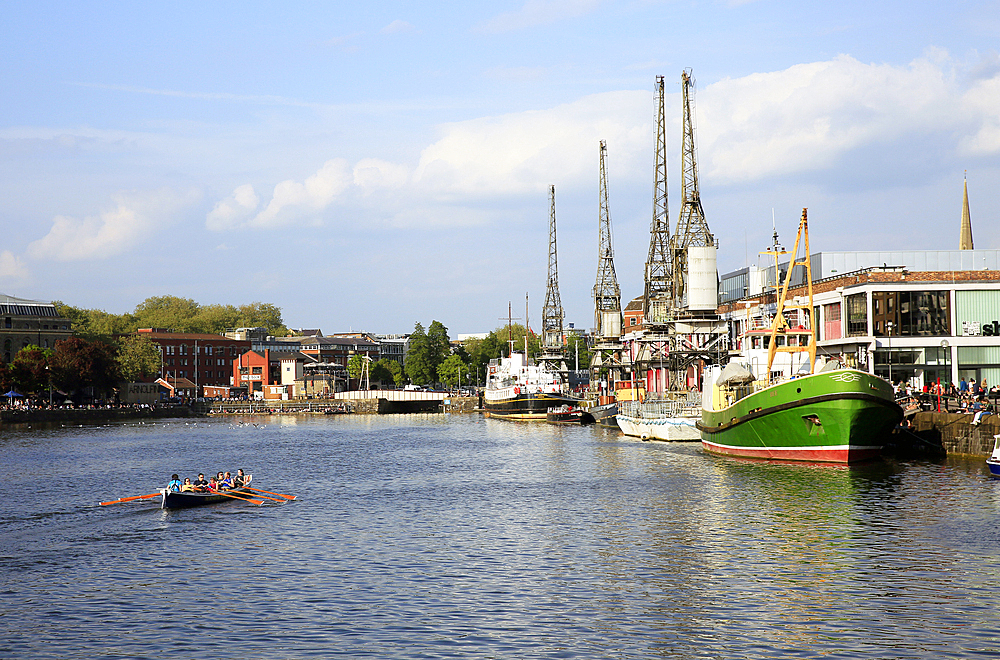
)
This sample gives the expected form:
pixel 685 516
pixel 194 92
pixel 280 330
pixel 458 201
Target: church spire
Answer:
pixel 965 238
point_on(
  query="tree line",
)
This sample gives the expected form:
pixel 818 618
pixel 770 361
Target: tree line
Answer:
pixel 105 350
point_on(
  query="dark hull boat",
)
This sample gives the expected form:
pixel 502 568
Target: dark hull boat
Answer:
pixel 182 500
pixel 568 415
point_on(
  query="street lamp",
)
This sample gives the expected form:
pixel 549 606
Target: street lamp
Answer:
pixel 946 347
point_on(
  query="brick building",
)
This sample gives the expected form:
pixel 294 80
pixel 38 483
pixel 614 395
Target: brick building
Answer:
pixel 29 322
pixel 204 359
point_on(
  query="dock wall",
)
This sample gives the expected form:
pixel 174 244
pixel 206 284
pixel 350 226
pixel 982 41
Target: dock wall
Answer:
pixel 957 433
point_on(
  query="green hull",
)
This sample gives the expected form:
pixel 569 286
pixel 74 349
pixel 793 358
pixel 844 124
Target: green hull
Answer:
pixel 840 416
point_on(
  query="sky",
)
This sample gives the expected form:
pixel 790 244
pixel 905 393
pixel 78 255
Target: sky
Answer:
pixel 368 166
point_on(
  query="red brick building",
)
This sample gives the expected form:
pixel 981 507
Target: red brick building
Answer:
pixel 204 359
pixel 272 374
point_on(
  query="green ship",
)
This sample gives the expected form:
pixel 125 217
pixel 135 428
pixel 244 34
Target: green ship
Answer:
pixel 791 410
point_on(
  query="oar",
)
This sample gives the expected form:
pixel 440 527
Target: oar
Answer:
pixel 236 497
pixel 287 497
pixel 129 499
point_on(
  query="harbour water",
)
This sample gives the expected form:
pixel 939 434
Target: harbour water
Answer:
pixel 460 537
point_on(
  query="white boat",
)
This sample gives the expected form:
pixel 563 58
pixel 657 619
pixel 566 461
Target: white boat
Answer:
pixel 662 419
pixel 518 390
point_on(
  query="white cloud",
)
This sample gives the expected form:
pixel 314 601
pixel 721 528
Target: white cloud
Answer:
pixel 524 152
pixel 12 268
pixel 539 12
pixel 234 210
pixel 294 201
pixel 809 115
pixel 133 219
pixel 397 27
pixel 371 174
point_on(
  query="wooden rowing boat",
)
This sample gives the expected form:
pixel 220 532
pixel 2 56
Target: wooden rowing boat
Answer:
pixel 180 500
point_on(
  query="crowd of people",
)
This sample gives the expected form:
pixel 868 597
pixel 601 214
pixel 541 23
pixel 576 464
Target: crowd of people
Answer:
pixel 221 482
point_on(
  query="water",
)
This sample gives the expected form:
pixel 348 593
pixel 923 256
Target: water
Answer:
pixel 458 537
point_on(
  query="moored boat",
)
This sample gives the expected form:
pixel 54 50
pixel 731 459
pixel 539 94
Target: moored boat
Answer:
pixel 788 410
pixel 993 462
pixel 662 419
pixel 567 414
pixel 518 390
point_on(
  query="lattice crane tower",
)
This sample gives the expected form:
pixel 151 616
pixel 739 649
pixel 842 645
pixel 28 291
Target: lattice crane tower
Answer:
pixel 552 312
pixel 658 293
pixel 607 295
pixel 693 242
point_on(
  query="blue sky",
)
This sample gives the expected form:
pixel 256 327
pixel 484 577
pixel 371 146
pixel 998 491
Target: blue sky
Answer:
pixel 370 165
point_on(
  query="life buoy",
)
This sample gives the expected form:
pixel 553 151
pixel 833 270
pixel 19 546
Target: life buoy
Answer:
pixel 517 390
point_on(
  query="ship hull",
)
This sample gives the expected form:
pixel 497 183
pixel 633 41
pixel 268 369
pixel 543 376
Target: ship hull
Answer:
pixel 841 416
pixel 526 407
pixel 673 429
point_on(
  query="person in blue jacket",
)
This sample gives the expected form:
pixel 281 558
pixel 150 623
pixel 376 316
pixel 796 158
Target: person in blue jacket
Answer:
pixel 174 485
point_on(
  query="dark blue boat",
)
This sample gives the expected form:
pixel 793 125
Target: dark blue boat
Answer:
pixel 180 500
pixel 993 462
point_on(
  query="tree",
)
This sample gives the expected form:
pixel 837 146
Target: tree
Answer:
pixel 29 369
pixel 138 357
pixel 77 363
pixel 418 360
pixel 573 343
pixel 382 371
pixel 356 366
pixel 450 371
pixel 262 315
pixel 168 312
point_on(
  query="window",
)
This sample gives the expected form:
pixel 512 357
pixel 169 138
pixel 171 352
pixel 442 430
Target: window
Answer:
pixel 857 315
pixel 170 350
pixel 183 349
pixel 208 350
pixel 244 370
pixel 257 370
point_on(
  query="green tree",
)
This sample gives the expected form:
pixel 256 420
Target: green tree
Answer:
pixel 138 357
pixel 418 364
pixel 170 312
pixel 262 315
pixel 356 366
pixel 29 369
pixel 450 371
pixel 576 342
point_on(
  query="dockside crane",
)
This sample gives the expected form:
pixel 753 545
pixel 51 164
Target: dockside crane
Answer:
pixel 607 295
pixel 697 334
pixel 650 356
pixel 553 338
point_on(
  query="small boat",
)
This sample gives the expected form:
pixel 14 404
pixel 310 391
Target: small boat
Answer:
pixel 183 499
pixel 605 415
pixel 567 414
pixel 993 462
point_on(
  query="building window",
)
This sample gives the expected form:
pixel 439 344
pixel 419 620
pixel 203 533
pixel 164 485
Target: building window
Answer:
pixel 257 370
pixel 183 349
pixel 857 315
pixel 170 350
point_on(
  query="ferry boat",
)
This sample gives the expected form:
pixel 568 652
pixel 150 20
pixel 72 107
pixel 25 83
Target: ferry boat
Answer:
pixel 518 390
pixel 790 410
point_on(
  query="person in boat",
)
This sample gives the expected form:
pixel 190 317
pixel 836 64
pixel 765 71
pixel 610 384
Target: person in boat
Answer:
pixel 200 484
pixel 226 483
pixel 187 486
pixel 174 485
pixel 213 485
pixel 240 480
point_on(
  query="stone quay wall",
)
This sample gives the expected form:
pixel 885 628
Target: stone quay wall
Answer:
pixel 958 434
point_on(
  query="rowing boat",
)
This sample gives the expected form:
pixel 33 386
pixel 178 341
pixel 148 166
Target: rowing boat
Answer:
pixel 180 500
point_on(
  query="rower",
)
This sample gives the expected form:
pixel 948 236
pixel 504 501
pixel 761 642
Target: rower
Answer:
pixel 200 483
pixel 240 480
pixel 174 484
pixel 227 482
pixel 187 486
